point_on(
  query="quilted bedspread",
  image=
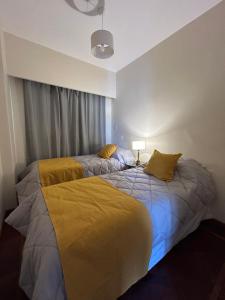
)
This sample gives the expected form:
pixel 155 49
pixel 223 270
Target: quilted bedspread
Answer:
pixel 92 164
pixel 176 209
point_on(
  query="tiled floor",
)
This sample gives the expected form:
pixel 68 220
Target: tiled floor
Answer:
pixel 193 270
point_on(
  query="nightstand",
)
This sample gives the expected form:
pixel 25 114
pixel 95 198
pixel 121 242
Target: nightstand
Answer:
pixel 131 165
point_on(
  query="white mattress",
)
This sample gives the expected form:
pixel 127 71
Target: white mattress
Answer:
pixel 175 209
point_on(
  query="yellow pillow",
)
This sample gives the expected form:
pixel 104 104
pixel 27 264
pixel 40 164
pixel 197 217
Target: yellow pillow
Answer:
pixel 107 151
pixel 162 166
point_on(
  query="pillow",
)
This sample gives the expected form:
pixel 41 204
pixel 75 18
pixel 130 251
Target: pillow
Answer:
pixel 124 155
pixel 162 166
pixel 107 151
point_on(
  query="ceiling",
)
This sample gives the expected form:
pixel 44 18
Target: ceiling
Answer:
pixel 137 25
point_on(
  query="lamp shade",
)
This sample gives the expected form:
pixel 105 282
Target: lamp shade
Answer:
pixel 138 145
pixel 102 44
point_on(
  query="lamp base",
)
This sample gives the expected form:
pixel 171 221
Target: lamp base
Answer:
pixel 138 162
pixel 138 159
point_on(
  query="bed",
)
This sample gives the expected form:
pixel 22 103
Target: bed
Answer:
pixel 175 208
pixel 92 165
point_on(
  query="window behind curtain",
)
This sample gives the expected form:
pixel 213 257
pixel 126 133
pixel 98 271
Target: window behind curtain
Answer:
pixel 62 122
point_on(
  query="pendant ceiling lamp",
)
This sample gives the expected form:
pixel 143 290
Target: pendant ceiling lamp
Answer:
pixel 101 40
pixel 102 43
pixel 88 7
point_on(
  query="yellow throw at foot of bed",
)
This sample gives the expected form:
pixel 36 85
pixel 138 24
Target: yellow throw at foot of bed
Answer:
pixel 58 170
pixel 103 237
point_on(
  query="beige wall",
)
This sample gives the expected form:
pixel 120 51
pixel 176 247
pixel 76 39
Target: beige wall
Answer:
pixel 174 97
pixel 28 60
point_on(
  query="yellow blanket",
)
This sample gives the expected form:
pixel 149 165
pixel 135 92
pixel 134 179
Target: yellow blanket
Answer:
pixel 103 236
pixel 58 170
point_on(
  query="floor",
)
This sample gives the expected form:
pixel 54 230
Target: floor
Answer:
pixel 193 270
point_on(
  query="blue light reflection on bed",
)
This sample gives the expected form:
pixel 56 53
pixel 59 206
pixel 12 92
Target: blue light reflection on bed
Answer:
pixel 167 222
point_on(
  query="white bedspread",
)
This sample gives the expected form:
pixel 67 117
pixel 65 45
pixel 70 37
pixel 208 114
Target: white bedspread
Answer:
pixel 175 208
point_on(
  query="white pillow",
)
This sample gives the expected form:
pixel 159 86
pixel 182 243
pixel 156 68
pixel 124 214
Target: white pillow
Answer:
pixel 124 155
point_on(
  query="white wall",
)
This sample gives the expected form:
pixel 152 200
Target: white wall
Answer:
pixel 28 60
pixel 2 97
pixel 16 99
pixel 6 139
pixel 174 97
pixel 2 211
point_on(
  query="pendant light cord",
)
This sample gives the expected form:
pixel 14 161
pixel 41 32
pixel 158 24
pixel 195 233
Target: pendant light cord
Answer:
pixel 102 19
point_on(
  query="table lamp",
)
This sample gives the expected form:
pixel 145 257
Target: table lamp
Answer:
pixel 138 145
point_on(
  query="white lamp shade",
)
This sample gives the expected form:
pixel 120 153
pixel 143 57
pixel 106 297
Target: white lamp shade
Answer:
pixel 102 44
pixel 138 145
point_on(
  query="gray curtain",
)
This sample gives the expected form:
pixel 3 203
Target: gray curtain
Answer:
pixel 62 122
